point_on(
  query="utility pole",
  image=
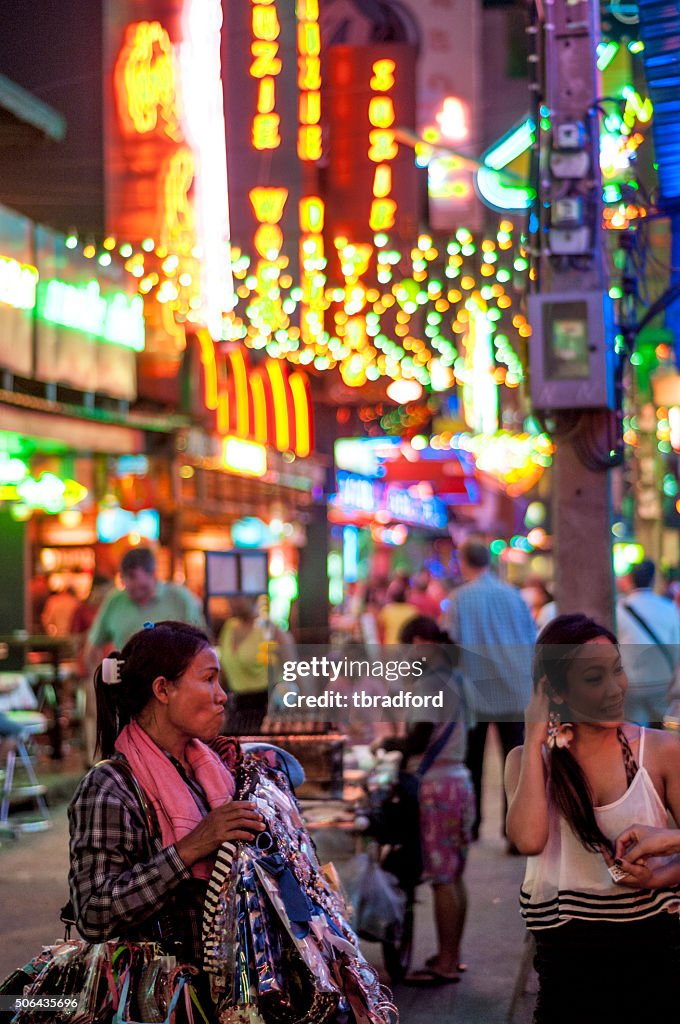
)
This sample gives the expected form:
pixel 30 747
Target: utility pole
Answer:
pixel 572 362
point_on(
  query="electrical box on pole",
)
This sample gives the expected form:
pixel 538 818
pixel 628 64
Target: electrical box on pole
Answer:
pixel 572 362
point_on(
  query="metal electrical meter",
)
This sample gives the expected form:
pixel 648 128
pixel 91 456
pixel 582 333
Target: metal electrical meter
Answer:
pixel 572 350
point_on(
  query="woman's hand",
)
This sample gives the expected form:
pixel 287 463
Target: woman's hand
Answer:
pixel 228 823
pixel 536 716
pixel 641 841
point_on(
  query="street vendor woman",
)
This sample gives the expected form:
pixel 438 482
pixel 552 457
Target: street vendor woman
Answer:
pixel 145 825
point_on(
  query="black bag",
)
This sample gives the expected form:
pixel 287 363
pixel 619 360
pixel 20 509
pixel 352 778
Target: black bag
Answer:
pixel 396 822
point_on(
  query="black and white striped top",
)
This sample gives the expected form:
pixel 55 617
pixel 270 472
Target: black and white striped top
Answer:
pixel 567 882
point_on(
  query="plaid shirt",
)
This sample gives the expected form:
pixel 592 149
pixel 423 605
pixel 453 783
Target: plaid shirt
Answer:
pixel 494 627
pixel 122 882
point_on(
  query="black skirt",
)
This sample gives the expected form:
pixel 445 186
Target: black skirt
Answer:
pixel 602 972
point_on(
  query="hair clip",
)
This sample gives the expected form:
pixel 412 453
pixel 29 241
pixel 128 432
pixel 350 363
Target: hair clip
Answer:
pixel 111 670
pixel 560 734
pixel 149 625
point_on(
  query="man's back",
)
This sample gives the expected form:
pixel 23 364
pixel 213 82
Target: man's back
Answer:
pixel 646 664
pixel 496 631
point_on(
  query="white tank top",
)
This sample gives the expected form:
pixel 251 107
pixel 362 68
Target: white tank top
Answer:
pixel 565 881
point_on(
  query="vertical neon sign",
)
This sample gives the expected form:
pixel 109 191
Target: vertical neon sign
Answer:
pixel 203 123
pixel 265 67
pixel 383 146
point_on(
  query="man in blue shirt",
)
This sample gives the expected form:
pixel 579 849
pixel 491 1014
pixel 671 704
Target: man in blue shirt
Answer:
pixel 496 632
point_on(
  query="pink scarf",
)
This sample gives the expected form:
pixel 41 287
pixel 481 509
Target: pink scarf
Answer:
pixel 163 786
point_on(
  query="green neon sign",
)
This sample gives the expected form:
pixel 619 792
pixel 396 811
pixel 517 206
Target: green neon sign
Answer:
pixel 497 189
pixel 115 318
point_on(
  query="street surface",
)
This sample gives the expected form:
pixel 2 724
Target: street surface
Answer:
pixel 33 887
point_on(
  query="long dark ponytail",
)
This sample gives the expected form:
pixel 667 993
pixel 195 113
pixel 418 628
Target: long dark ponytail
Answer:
pixel 166 649
pixel 556 645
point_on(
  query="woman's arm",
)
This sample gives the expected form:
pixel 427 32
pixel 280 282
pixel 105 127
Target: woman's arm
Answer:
pixel 525 774
pixel 114 884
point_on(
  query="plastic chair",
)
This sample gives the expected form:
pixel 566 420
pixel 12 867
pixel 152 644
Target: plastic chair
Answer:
pixel 16 731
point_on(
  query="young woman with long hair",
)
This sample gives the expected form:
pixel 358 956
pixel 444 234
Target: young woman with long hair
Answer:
pixel 603 950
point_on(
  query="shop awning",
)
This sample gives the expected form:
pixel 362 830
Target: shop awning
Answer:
pixel 23 115
pixel 77 435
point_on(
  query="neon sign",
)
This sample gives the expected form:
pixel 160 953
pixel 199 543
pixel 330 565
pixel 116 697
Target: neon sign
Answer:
pixel 116 318
pixel 309 144
pixel 495 191
pixel 383 146
pixel 312 266
pixel 265 67
pixel 265 311
pixel 267 404
pixel 146 83
pixel 203 124
pixel 18 283
pixel 114 523
pixel 371 498
pixel 248 458
pixel 480 390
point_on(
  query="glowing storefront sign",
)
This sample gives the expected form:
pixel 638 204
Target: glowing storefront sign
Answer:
pixel 370 497
pixel 383 147
pixel 117 318
pixel 115 523
pixel 146 84
pixel 265 67
pixel 48 492
pixel 265 311
pixel 309 144
pixel 494 190
pixel 312 266
pixel 267 404
pixel 18 283
pixel 244 457
pixel 203 124
pixel 480 390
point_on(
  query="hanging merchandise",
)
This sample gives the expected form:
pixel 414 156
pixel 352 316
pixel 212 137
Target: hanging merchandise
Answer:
pixel 277 944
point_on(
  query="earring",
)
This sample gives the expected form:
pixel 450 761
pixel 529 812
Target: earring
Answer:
pixel 559 734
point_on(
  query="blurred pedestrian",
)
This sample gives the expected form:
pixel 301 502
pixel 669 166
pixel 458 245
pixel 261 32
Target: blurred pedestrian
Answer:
pixel 649 633
pixel 539 601
pixel 252 650
pixel 58 612
pixel 494 627
pixel 445 796
pixel 143 599
pixel 583 775
pixel 420 595
pixel 394 615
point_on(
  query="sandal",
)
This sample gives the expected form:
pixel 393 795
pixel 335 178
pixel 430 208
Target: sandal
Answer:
pixel 428 978
pixel 461 968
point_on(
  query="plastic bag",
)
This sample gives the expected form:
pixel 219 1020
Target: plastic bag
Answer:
pixel 378 904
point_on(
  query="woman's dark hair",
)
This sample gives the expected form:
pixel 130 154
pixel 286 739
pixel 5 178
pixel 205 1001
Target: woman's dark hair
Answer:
pixel 556 645
pixel 166 649
pixel 424 628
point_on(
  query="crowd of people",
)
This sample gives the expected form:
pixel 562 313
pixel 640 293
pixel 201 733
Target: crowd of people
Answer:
pixel 592 781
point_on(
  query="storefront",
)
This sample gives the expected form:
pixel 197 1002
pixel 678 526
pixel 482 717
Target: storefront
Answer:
pixel 70 332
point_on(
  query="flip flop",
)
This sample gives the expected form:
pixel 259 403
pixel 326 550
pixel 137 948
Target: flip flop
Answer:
pixel 427 978
pixel 461 968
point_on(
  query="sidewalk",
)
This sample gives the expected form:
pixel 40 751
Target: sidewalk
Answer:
pixel 33 886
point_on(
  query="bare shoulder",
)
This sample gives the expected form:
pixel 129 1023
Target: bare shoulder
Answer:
pixel 662 750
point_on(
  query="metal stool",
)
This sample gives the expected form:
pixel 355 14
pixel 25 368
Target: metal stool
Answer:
pixel 21 726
